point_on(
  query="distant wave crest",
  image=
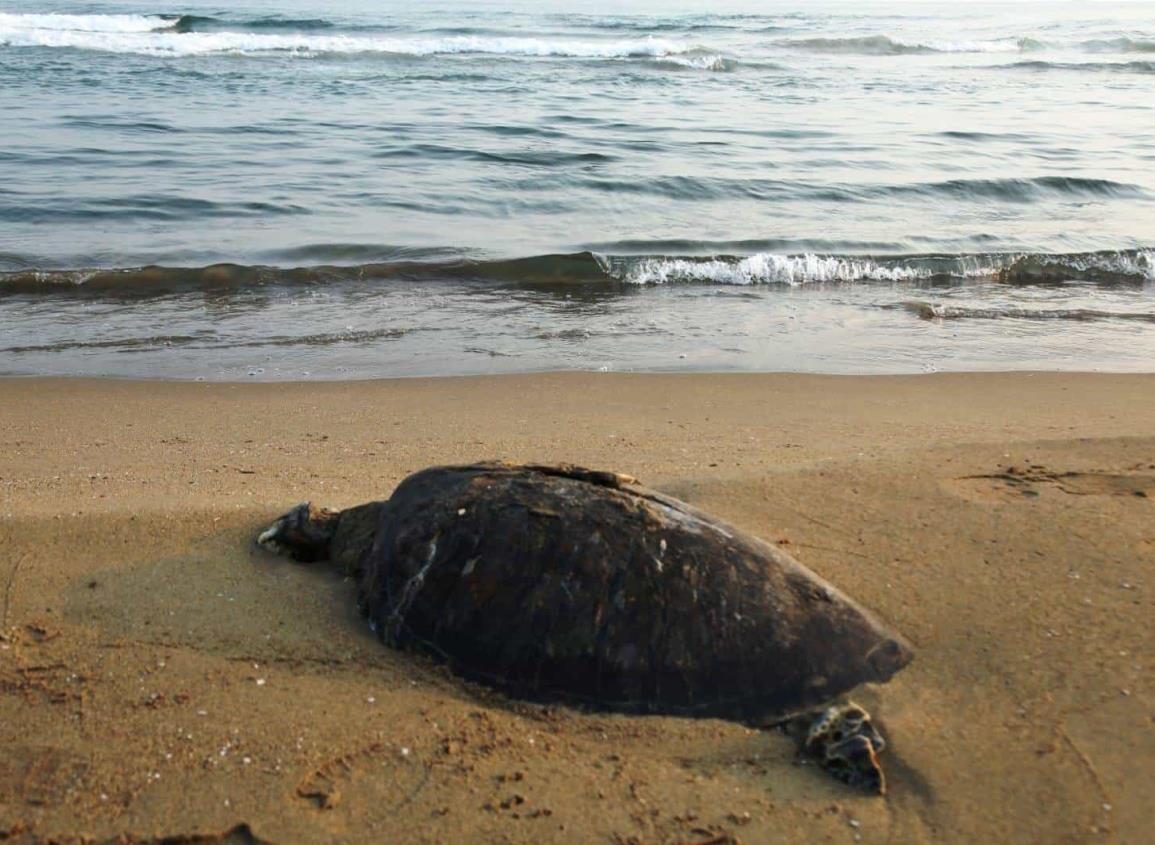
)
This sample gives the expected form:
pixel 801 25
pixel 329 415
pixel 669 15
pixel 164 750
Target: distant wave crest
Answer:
pixel 183 36
pixel 884 45
pixel 1120 45
pixel 1093 67
pixel 199 23
pixel 48 23
pixel 700 61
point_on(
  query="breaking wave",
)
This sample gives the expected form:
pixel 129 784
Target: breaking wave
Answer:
pixel 701 61
pixel 766 268
pixel 199 23
pixel 1125 267
pixel 48 23
pixel 190 36
pixel 1128 267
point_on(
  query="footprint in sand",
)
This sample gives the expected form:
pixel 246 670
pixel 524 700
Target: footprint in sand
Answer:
pixel 1024 483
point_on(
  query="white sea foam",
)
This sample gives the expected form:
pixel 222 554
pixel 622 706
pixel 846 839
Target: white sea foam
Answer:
pixel 710 61
pixel 150 36
pixel 1002 45
pixel 1138 263
pixel 773 268
pixel 80 23
pixel 767 268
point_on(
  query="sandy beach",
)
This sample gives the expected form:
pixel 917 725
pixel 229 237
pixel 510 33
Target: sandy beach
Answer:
pixel 163 680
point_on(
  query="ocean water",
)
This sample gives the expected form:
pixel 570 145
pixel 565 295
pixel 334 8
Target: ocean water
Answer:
pixel 290 189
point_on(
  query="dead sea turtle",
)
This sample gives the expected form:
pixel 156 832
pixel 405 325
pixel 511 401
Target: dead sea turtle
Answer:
pixel 563 583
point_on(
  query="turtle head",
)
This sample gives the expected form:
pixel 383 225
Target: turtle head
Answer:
pixel 888 657
pixel 304 533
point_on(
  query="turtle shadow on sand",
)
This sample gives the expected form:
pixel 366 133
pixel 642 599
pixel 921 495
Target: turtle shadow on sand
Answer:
pixel 563 584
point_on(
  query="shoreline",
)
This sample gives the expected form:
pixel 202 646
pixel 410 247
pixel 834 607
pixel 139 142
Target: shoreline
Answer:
pixel 161 677
pixel 767 374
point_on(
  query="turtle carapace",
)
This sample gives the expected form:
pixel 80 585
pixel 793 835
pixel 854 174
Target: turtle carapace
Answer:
pixel 562 583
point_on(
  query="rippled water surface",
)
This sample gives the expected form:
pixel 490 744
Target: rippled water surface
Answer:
pixel 296 189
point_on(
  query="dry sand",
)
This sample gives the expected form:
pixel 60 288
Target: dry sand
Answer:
pixel 159 677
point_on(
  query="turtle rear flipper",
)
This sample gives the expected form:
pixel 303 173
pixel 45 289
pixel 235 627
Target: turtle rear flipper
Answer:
pixel 854 761
pixel 844 741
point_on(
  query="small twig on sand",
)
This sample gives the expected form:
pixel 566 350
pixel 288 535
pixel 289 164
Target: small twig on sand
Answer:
pixel 8 591
pixel 1087 764
pixel 815 520
pixel 829 549
pixel 415 791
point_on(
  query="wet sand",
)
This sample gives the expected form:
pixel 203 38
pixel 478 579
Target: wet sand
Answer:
pixel 160 677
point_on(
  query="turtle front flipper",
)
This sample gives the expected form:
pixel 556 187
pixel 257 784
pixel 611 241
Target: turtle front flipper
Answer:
pixel 842 740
